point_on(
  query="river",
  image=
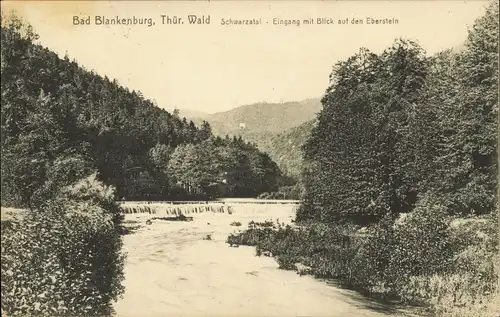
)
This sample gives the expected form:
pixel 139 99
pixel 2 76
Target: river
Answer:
pixel 171 270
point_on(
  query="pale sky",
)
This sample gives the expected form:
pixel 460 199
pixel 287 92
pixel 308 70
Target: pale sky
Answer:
pixel 216 67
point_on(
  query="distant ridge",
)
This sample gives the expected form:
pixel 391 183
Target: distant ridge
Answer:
pixel 276 128
pixel 262 120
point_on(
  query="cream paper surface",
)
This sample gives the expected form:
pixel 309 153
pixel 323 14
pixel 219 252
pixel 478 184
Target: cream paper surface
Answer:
pixel 210 57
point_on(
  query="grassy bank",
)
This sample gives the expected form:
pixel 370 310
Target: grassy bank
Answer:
pixel 444 265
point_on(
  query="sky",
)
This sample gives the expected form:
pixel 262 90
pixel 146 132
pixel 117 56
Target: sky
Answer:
pixel 214 67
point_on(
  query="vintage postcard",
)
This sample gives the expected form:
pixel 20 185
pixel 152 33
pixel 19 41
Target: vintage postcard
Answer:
pixel 249 158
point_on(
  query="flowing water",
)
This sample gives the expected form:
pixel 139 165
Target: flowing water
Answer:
pixel 172 270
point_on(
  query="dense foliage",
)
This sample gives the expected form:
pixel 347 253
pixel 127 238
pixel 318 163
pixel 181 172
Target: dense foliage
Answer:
pixel 398 125
pixel 64 259
pixel 73 142
pixel 400 178
pixel 278 129
pixel 425 258
pixel 54 109
pixel 223 166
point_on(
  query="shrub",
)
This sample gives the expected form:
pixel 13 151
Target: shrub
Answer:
pixel 90 189
pixel 423 243
pixel 420 257
pixel 284 192
pixel 471 287
pixel 62 172
pixel 64 259
pixel 423 257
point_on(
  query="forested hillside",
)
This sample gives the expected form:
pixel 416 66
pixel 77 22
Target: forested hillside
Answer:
pixel 61 119
pixel 278 129
pixel 286 148
pixel 259 122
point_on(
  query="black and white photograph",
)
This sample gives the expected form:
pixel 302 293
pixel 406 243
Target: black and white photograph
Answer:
pixel 250 158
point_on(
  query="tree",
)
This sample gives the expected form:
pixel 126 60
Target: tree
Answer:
pixel 456 120
pixel 357 150
pixel 205 131
pixel 54 109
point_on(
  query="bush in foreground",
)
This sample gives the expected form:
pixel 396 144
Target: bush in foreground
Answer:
pixel 470 287
pixel 62 260
pixel 90 189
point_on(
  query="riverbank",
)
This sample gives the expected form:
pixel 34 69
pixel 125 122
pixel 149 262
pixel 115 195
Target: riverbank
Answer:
pixel 174 269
